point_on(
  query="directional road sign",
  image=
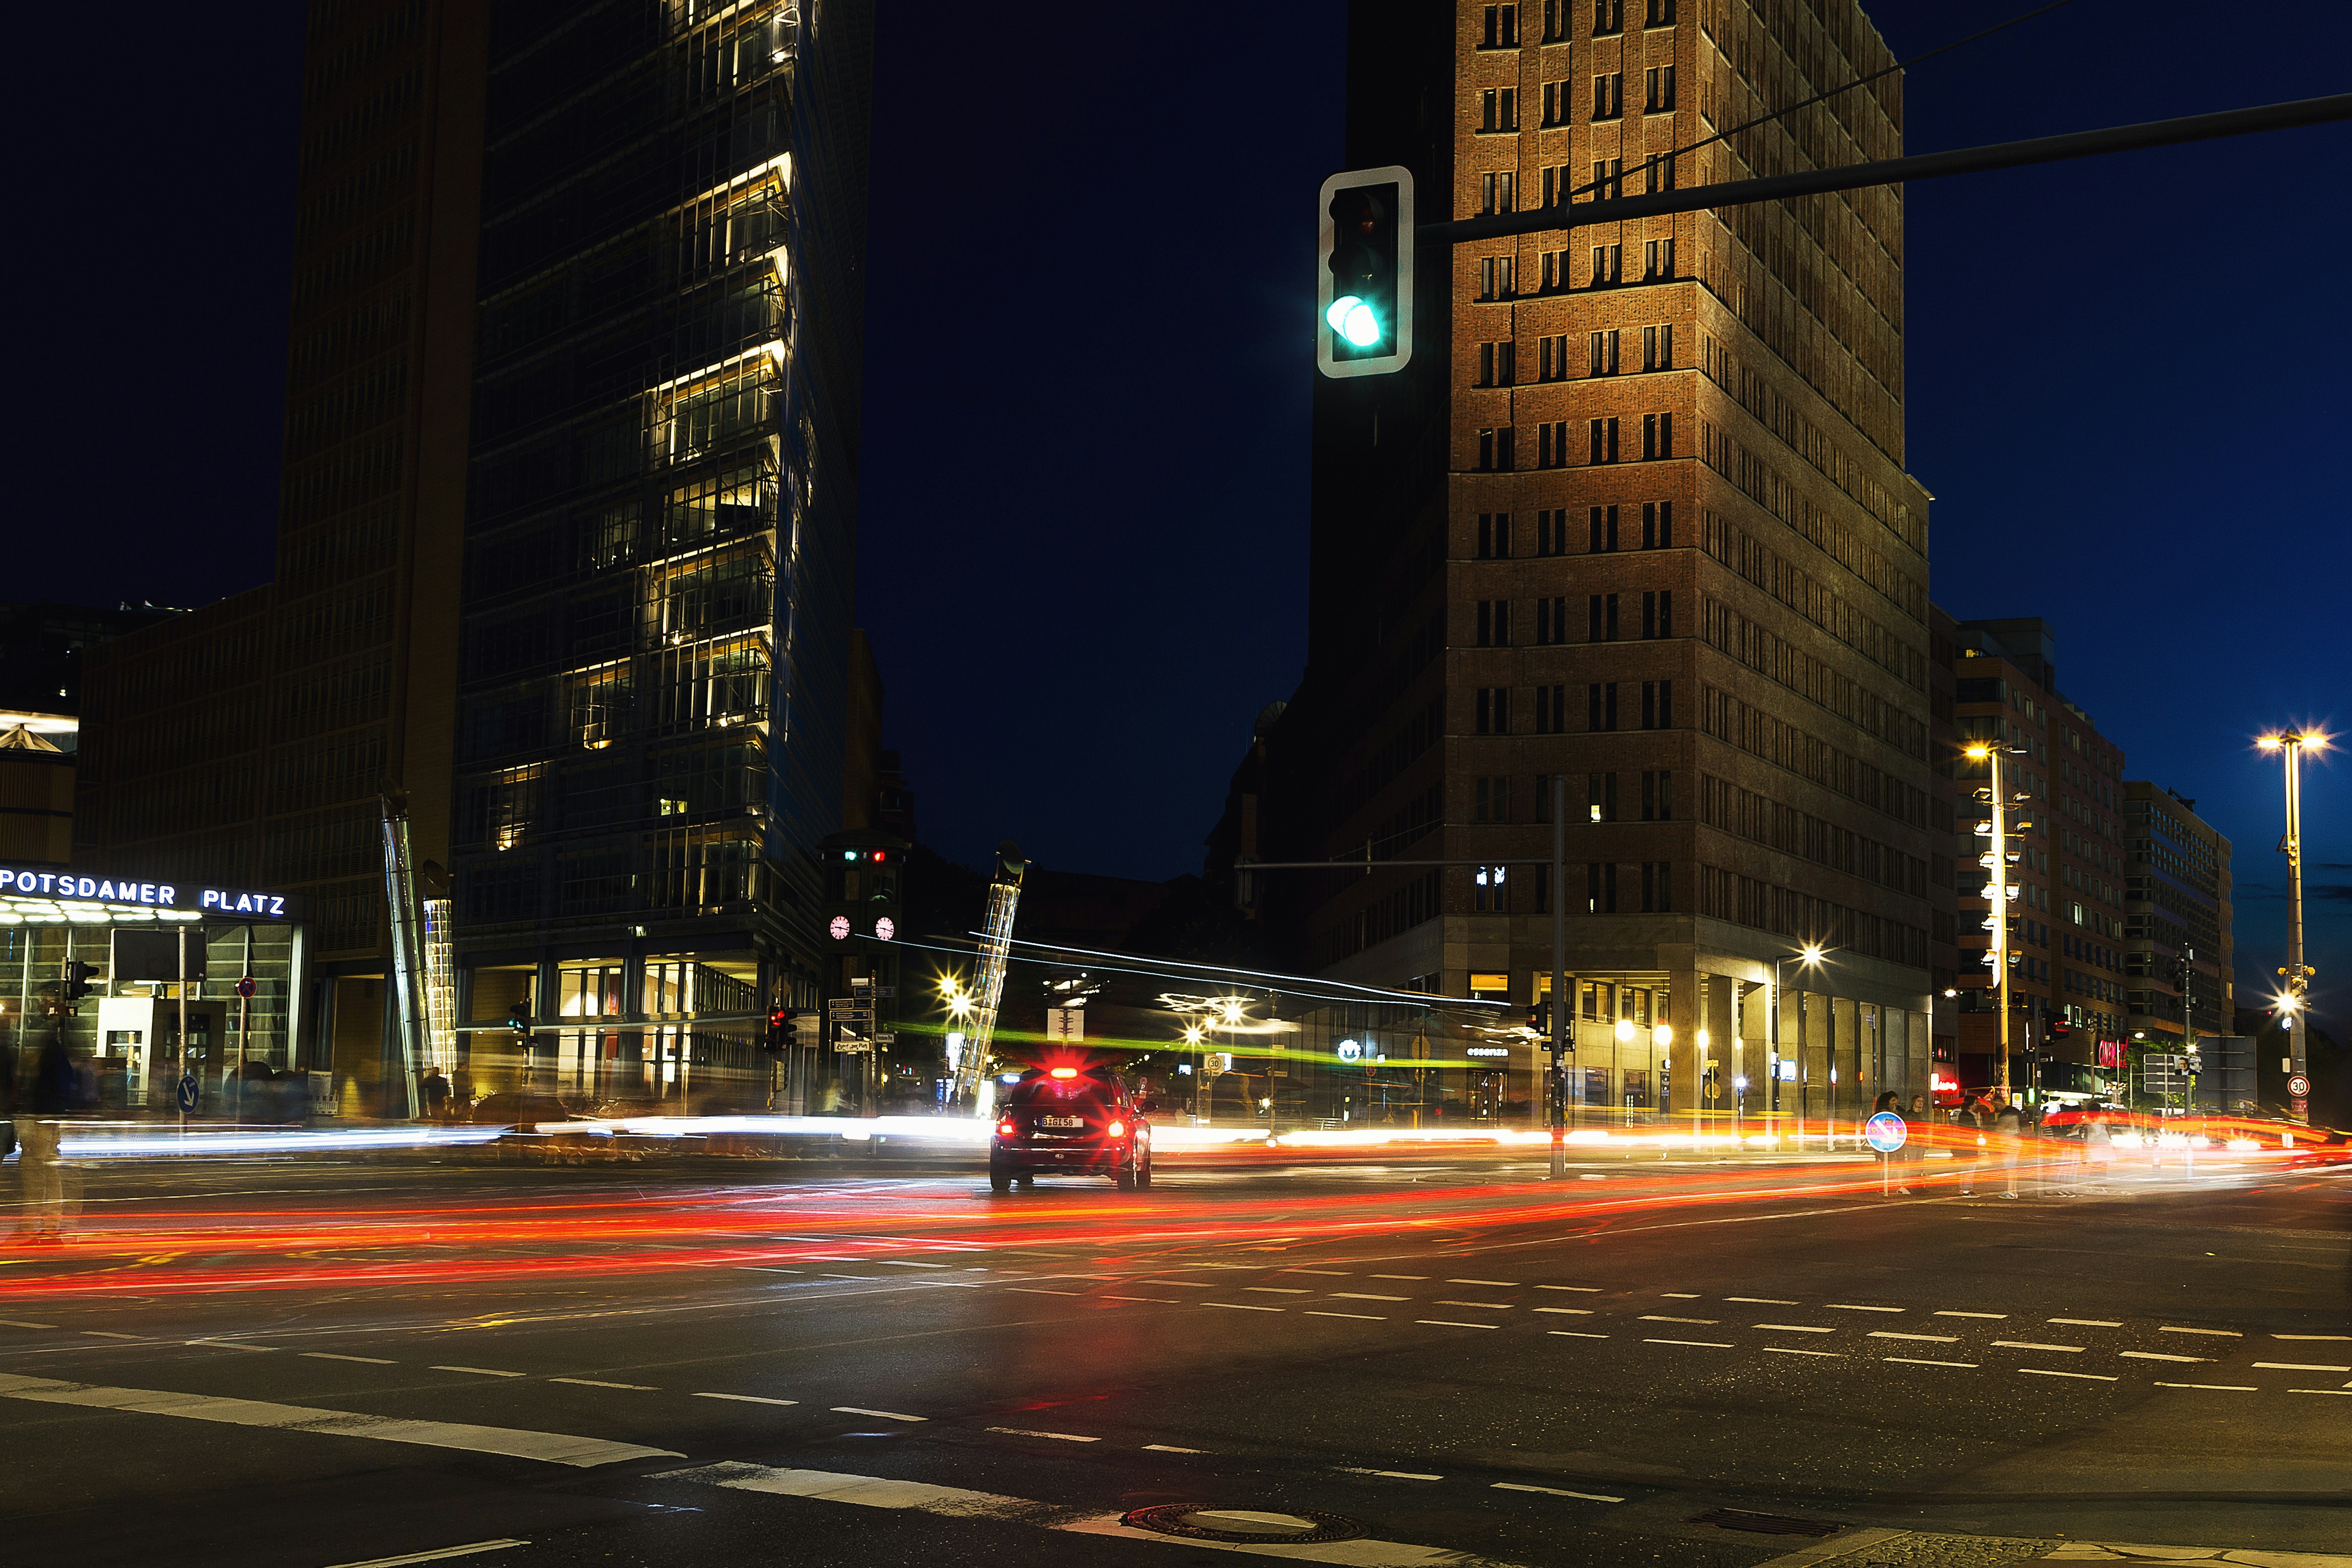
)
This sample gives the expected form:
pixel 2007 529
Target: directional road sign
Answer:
pixel 1885 1131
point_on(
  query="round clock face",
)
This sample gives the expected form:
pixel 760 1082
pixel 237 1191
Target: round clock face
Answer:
pixel 840 928
pixel 886 928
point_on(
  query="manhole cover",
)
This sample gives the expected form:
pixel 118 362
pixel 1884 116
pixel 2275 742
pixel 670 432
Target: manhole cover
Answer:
pixel 1764 1523
pixel 1198 1521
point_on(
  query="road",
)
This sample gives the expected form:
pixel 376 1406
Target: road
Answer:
pixel 322 1364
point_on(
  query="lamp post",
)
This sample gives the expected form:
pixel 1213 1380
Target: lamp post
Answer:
pixel 1810 956
pixel 1998 889
pixel 2294 999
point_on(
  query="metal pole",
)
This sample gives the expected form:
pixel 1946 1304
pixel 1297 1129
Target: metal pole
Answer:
pixel 186 1066
pixel 2293 844
pixel 1560 1000
pixel 1772 1058
pixel 1999 906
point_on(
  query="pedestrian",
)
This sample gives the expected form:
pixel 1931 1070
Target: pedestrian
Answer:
pixel 1916 1122
pixel 2098 1150
pixel 2008 1138
pixel 437 1095
pixel 1969 1146
pixel 41 1171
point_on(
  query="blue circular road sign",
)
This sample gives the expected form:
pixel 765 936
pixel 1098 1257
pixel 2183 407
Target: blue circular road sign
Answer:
pixel 1885 1131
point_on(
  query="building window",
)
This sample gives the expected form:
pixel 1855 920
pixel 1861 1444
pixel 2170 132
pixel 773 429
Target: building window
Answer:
pixel 1498 364
pixel 1493 536
pixel 1551 626
pixel 1555 109
pixel 1657 795
pixel 1608 265
pixel 1604 529
pixel 1551 444
pixel 1496 277
pixel 1661 13
pixel 1553 269
pixel 1608 16
pixel 1493 624
pixel 1657 525
pixel 1658 257
pixel 1601 707
pixel 1602 356
pixel 1499 107
pixel 1657 705
pixel 1555 25
pixel 1492 886
pixel 1658 90
pixel 1551 357
pixel 1657 435
pixel 1601 619
pixel 1601 889
pixel 1552 716
pixel 1551 532
pixel 1495 449
pixel 1502 28
pixel 1558 185
pixel 1657 887
pixel 1604 440
pixel 1608 176
pixel 1658 347
pixel 1658 613
pixel 1494 710
pixel 1600 797
pixel 1493 798
pixel 1498 192
pixel 1608 100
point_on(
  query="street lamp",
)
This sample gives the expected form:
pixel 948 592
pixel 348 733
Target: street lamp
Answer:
pixel 2291 743
pixel 1810 956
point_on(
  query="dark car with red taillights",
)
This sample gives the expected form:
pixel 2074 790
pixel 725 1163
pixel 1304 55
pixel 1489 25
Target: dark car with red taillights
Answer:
pixel 1075 1120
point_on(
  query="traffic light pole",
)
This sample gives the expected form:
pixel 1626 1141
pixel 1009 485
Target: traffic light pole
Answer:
pixel 1895 170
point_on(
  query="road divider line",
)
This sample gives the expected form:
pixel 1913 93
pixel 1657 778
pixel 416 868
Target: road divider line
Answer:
pixel 2297 1366
pixel 1359 1317
pixel 1397 1276
pixel 1387 1474
pixel 331 1355
pixel 1930 1338
pixel 1951 1314
pixel 1567 1312
pixel 481 1371
pixel 1587 1290
pixel 2084 1322
pixel 1057 1437
pixel 600 1383
pixel 1915 1361
pixel 1763 1301
pixel 1694 1344
pixel 1572 1334
pixel 1334 1273
pixel 1241 1306
pixel 2330 1336
pixel 2225 1388
pixel 1493 1306
pixel 1850 1306
pixel 14 1323
pixel 104 1333
pixel 1798 1350
pixel 1170 1448
pixel 1279 1290
pixel 1163 1301
pixel 1446 1323
pixel 436 1556
pixel 2344 1392
pixel 1795 1328
pixel 1364 1296
pixel 1656 1318
pixel 2217 1333
pixel 1042 1291
pixel 885 1414
pixel 230 1344
pixel 902 1263
pixel 555 1448
pixel 1498 1284
pixel 1681 1295
pixel 2030 1345
pixel 2160 1355
pixel 2051 1372
pixel 1555 1492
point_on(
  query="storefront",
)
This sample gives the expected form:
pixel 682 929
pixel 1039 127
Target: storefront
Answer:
pixel 147 981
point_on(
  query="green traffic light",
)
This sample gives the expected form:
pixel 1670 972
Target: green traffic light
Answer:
pixel 1353 320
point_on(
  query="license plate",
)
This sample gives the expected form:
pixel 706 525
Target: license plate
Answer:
pixel 1062 1121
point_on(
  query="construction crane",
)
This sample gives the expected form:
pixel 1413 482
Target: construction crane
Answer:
pixel 988 985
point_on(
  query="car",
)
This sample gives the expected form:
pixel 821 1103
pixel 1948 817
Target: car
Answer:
pixel 522 1110
pixel 1080 1120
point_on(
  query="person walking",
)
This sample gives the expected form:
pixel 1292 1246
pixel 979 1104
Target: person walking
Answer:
pixel 41 1171
pixel 2008 1138
pixel 1969 1146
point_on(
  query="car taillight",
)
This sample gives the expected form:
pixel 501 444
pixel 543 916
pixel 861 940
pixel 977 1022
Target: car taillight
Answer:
pixel 1117 1129
pixel 1005 1128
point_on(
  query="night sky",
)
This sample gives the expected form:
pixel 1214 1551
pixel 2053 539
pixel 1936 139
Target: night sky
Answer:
pixel 1083 545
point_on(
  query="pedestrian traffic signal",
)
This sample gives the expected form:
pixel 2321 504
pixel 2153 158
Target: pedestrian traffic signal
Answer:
pixel 77 979
pixel 1364 292
pixel 519 1017
pixel 778 1037
pixel 1539 1018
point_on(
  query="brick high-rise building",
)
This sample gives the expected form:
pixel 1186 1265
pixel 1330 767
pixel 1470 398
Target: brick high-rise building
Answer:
pixel 1635 514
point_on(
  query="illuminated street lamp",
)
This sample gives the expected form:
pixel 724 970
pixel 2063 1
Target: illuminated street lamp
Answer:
pixel 2292 1002
pixel 1810 956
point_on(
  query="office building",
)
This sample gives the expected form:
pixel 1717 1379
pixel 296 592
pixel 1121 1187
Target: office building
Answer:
pixel 1634 517
pixel 2181 984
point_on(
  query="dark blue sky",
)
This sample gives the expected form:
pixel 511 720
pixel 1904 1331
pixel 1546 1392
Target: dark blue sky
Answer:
pixel 1084 469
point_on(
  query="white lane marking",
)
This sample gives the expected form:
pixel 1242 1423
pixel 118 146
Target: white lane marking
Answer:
pixel 1931 1338
pixel 1850 1306
pixel 1762 1300
pixel 1360 1317
pixel 600 1383
pixel 1334 1273
pixel 763 1268
pixel 1556 1491
pixel 1972 1314
pixel 1241 1306
pixel 2084 1322
pixel 2029 1344
pixel 555 1448
pixel 329 1355
pixel 1278 1289
pixel 482 1371
pixel 2217 1333
pixel 1568 1311
pixel 1792 1350
pixel 435 1556
pixel 2046 1372
pixel 13 1323
pixel 2225 1388
pixel 1442 1323
pixel 2338 1391
pixel 1179 1284
pixel 1500 1284
pixel 1365 1296
pixel 900 1263
pixel 1695 1343
pixel 868 1491
pixel 1163 1301
pixel 1680 1295
pixel 1571 1333
pixel 1655 1318
pixel 2312 1336
pixel 747 1398
pixel 1170 1448
pixel 869 1279
pixel 1795 1328
pixel 2299 1366
pixel 1391 1475
pixel 1587 1290
pixel 230 1344
pixel 1057 1437
pixel 103 1334
pixel 885 1414
pixel 1915 1361
pixel 2160 1355
pixel 1041 1290
pixel 1399 1276
pixel 1492 1306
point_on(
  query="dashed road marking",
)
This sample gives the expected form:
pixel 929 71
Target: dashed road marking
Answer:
pixel 2160 1355
pixel 230 1344
pixel 2332 1336
pixel 600 1383
pixel 2298 1366
pixel 2084 1322
pixel 1655 1318
pixel 1931 1338
pixel 1042 1291
pixel 1334 1273
pixel 1694 1344
pixel 1573 1334
pixel 747 1398
pixel 1490 1306
pixel 103 1334
pixel 331 1355
pixel 1170 1448
pixel 1499 1284
pixel 1241 1306
pixel 1680 1295
pixel 1398 1276
pixel 2029 1344
pixel 2225 1388
pixel 2343 1392
pixel 2217 1333
pixel 482 1371
pixel 1587 1290
pixel 1915 1361
pixel 1163 1301
pixel 1795 1328
pixel 885 1414
pixel 1796 1350
pixel 1391 1475
pixel 1278 1289
pixel 1850 1306
pixel 436 1556
pixel 1365 1296
pixel 1444 1324
pixel 13 1323
pixel 1762 1300
pixel 1057 1437
pixel 1555 1492
pixel 2047 1372
pixel 1567 1312
pixel 1951 1314
pixel 1359 1317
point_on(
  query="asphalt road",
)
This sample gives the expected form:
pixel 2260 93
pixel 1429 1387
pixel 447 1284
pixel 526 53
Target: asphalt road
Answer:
pixel 315 1365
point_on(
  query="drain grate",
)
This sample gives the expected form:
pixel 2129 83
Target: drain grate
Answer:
pixel 1764 1523
pixel 1200 1521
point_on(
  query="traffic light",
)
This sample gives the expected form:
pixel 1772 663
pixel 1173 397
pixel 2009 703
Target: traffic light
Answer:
pixel 77 979
pixel 519 1017
pixel 1364 292
pixel 778 1037
pixel 1539 1018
